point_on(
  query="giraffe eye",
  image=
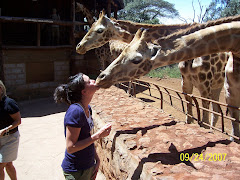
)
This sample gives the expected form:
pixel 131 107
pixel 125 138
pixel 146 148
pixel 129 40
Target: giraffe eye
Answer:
pixel 136 60
pixel 100 30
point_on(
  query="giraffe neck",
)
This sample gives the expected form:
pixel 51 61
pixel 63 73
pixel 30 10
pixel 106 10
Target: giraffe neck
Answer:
pixel 196 27
pixel 86 12
pixel 132 27
pixel 219 38
pixel 155 31
pixel 125 31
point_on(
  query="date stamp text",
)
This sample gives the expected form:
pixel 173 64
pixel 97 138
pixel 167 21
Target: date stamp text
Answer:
pixel 203 157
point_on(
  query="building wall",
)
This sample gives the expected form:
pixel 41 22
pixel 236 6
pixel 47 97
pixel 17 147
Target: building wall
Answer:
pixel 88 64
pixel 28 75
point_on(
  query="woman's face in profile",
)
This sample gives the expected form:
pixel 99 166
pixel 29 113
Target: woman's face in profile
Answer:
pixel 90 84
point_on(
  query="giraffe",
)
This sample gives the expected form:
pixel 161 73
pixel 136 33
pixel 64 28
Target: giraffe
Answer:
pixel 140 57
pixel 108 52
pixel 110 37
pixel 232 87
pixel 105 30
pixel 86 12
pixel 103 52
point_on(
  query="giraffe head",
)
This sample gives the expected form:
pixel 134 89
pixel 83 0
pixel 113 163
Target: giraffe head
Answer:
pixel 133 62
pixel 139 57
pixel 79 7
pixel 101 32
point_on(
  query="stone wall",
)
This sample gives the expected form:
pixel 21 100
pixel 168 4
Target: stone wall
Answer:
pixel 61 71
pixel 88 64
pixel 15 72
pixel 146 143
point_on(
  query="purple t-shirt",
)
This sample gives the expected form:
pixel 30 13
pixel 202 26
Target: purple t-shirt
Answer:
pixel 83 159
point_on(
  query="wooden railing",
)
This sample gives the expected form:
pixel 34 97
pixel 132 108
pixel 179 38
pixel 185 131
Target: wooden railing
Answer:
pixel 165 92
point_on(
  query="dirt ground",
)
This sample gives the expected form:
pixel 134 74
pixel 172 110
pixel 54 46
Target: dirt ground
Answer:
pixel 176 111
pixel 174 83
pixel 42 141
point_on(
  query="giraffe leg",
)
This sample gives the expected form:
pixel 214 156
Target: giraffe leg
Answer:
pixel 232 86
pixel 215 107
pixel 232 99
pixel 205 117
pixel 130 89
pixel 235 125
pixel 187 87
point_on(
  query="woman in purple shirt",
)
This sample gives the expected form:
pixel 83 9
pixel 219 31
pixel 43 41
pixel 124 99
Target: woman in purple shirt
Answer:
pixel 81 161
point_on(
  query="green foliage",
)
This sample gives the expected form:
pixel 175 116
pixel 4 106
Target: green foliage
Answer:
pixel 222 8
pixel 147 11
pixel 166 72
pixel 232 8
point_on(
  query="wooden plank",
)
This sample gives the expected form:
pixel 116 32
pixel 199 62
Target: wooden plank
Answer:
pixel 36 47
pixel 1 56
pixel 72 39
pixel 38 35
pixel 35 55
pixel 109 2
pixel 38 20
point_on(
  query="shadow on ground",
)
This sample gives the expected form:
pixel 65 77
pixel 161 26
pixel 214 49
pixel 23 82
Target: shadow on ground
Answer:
pixel 139 87
pixel 40 107
pixel 173 157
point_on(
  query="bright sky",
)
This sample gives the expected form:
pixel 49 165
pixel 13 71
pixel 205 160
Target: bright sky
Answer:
pixel 185 10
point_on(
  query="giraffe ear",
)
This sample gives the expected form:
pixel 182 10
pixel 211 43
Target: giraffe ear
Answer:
pixel 144 33
pixel 138 34
pixel 102 13
pixel 79 6
pixel 155 51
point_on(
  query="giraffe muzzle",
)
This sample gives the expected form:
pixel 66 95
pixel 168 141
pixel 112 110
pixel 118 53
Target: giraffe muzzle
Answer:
pixel 103 81
pixel 80 49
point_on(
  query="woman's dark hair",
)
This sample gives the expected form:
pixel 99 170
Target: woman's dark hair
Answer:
pixel 2 86
pixel 72 91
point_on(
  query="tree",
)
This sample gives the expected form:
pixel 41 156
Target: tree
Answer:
pixel 222 8
pixel 196 17
pixel 147 11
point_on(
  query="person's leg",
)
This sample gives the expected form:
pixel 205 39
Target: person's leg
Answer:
pixel 11 171
pixel 79 175
pixel 2 174
pixel 68 176
pixel 88 173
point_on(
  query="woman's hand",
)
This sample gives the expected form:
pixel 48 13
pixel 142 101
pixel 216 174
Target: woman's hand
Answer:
pixel 2 131
pixel 105 130
pixel 72 133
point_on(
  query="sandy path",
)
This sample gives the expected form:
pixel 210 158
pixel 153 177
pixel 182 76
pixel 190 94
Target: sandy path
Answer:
pixel 42 142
